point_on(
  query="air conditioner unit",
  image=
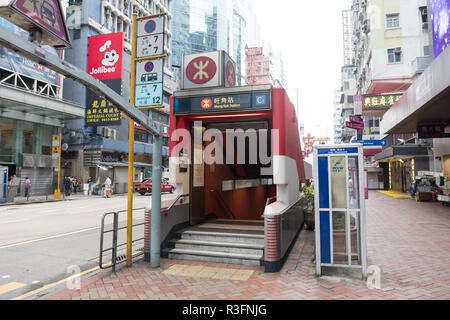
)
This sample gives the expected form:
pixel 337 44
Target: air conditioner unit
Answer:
pixel 114 134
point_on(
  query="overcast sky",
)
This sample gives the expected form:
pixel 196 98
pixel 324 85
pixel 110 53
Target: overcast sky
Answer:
pixel 309 35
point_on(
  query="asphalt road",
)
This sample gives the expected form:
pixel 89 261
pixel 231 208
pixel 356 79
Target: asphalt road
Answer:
pixel 39 242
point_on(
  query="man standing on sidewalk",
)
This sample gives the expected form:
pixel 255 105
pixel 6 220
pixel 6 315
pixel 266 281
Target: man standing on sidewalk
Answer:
pixel 108 184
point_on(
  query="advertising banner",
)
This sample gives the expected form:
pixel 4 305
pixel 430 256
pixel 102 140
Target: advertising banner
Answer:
pixel 105 56
pixel 105 62
pixel 440 20
pixel 14 62
pixel 100 112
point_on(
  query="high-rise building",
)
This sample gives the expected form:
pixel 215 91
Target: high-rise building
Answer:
pixel 99 151
pixel 210 25
pixel 347 28
pixel 264 68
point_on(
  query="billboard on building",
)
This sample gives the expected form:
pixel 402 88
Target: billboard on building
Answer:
pixel 382 102
pixel 105 56
pixel 105 63
pixel 12 61
pixel 440 20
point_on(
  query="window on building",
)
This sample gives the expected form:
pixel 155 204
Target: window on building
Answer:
pixel 392 21
pixel 346 85
pixel 140 136
pixel 394 55
pixel 350 99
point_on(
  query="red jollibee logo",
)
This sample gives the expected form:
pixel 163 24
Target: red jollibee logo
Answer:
pixel 206 103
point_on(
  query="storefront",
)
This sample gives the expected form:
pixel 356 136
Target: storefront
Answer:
pixel 405 162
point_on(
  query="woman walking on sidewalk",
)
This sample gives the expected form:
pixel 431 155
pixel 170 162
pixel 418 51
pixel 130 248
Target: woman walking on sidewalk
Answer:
pixel 27 187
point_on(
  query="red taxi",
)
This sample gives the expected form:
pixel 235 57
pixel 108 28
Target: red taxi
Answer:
pixel 146 187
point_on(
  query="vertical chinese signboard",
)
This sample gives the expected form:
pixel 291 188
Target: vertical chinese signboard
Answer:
pixel 105 62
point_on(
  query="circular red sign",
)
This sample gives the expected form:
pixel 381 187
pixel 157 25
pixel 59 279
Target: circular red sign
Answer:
pixel 231 74
pixel 201 70
pixel 206 103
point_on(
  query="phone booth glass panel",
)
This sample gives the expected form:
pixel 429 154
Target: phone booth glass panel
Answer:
pixel 339 192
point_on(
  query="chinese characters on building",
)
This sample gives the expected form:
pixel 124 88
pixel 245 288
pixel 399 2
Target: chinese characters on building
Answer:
pixel 380 102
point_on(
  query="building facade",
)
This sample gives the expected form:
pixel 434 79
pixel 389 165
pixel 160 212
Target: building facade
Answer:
pixel 99 151
pixel 391 47
pixel 32 112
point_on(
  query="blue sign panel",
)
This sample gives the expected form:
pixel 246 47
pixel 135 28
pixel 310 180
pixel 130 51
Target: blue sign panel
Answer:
pixel 372 143
pixel 324 190
pixel 338 151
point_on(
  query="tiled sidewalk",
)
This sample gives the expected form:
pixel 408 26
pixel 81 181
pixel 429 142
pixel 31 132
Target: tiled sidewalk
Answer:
pixel 408 240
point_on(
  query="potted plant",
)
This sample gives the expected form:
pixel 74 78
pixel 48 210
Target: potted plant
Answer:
pixel 310 210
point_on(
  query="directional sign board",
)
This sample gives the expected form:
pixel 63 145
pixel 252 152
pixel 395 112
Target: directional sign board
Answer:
pixel 150 38
pixel 354 125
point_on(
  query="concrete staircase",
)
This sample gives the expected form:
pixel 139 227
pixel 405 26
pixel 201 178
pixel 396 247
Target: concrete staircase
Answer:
pixel 220 241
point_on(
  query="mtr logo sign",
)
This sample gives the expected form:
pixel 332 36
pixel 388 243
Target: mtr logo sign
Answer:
pixel 201 70
pixel 105 57
pixel 208 70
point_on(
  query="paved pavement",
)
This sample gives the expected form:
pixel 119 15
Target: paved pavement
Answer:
pixel 39 242
pixel 408 240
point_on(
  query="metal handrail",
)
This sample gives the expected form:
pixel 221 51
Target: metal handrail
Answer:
pixel 114 248
pixel 270 200
pixel 167 210
pixel 223 203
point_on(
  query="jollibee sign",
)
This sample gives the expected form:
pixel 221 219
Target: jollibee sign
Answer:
pixel 105 56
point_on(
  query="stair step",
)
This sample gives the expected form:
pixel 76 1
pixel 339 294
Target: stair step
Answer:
pixel 216 257
pixel 230 247
pixel 222 237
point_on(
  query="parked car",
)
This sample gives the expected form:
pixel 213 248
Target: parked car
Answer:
pixel 146 187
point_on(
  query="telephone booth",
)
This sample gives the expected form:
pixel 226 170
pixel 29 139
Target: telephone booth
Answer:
pixel 339 183
pixel 3 183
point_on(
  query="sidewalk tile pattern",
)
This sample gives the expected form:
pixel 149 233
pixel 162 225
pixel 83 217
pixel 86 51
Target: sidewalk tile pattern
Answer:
pixel 409 241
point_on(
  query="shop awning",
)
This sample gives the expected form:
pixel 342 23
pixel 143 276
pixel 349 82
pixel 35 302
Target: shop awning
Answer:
pixel 426 101
pixel 402 152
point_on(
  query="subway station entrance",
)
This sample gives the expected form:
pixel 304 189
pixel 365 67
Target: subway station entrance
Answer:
pixel 235 156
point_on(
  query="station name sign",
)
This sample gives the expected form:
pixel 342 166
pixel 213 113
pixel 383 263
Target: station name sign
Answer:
pixel 227 103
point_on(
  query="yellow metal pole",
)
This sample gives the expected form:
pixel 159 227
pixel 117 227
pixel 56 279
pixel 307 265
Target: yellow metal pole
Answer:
pixel 131 145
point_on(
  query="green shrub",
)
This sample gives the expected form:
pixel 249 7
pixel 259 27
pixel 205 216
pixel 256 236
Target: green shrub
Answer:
pixel 309 194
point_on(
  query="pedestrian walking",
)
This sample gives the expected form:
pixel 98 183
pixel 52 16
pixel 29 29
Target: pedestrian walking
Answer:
pixel 108 184
pixel 75 185
pixel 91 186
pixel 27 188
pixel 66 186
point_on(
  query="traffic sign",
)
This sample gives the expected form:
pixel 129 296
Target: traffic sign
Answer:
pixel 150 26
pixel 149 95
pixel 149 46
pixel 149 72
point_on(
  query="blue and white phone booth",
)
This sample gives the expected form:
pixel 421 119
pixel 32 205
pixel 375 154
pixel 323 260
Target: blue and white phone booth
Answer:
pixel 340 218
pixel 3 184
